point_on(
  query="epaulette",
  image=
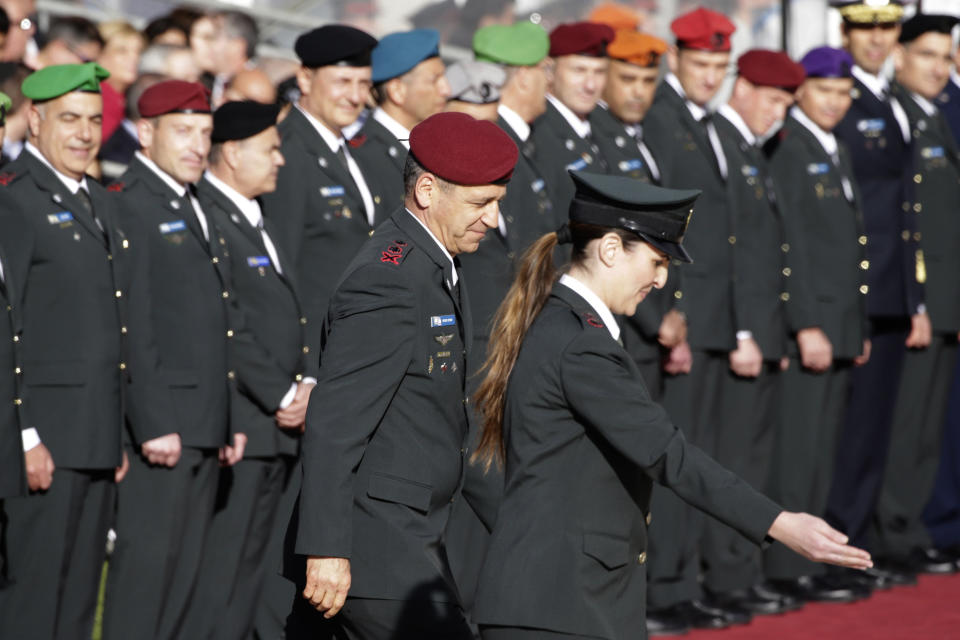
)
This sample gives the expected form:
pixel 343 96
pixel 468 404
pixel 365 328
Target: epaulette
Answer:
pixel 7 177
pixel 115 187
pixel 357 141
pixel 395 252
pixel 592 319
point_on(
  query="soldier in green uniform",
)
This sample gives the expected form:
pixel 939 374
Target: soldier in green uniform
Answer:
pixel 826 311
pixel 923 69
pixel 562 135
pixel 762 93
pixel 409 85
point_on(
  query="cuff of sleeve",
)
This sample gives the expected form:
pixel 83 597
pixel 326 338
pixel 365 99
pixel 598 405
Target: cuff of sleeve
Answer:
pixel 308 380
pixel 744 335
pixel 30 438
pixel 921 308
pixel 288 397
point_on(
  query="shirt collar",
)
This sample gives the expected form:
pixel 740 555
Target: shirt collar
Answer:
pixel 696 110
pixel 68 182
pixel 736 120
pixel 928 107
pixel 594 301
pixel 249 208
pixel 178 188
pixel 333 141
pixel 512 118
pixel 581 127
pixel 878 85
pixel 827 140
pixel 400 132
pixel 453 267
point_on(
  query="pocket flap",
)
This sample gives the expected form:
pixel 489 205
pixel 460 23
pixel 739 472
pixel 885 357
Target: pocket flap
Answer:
pixel 610 551
pixel 407 492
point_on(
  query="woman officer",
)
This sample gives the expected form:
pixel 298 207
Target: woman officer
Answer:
pixel 564 407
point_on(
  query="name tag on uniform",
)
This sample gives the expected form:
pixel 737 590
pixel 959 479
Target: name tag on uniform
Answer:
pixel 443 321
pixel 332 192
pixel 817 168
pixel 59 218
pixel 258 261
pixel 537 185
pixel 630 165
pixel 932 152
pixel 871 125
pixel 749 172
pixel 577 166
pixel 171 227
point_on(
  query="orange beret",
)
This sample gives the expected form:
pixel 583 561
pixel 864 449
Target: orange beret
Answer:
pixel 616 16
pixel 637 48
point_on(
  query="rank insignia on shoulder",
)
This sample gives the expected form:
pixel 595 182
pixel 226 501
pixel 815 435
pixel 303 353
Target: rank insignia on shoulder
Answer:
pixel 115 187
pixel 171 227
pixel 593 320
pixel 394 253
pixel 7 177
pixel 443 321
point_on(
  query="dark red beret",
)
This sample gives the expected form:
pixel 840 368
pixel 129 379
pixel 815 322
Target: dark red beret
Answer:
pixel 461 149
pixel 766 68
pixel 704 30
pixel 174 96
pixel 580 38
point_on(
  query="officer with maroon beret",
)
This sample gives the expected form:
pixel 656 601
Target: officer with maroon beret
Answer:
pixel 384 451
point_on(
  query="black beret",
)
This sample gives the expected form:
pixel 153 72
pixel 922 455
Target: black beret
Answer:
pixel 241 120
pixel 335 44
pixel 921 24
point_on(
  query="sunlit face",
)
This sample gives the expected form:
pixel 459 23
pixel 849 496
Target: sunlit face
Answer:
pixel 120 56
pixel 67 131
pixel 825 100
pixel 629 90
pixel 259 160
pixel 871 45
pixel 425 89
pixel 700 73
pixel 635 272
pixel 578 82
pixel 923 66
pixel 334 95
pixel 178 143
pixel 760 107
pixel 460 216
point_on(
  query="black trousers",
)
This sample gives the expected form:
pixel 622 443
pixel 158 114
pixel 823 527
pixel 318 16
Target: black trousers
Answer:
pixel 744 444
pixel 812 407
pixel 56 548
pixel 914 448
pixel 694 402
pixel 522 633
pixel 367 619
pixel 234 562
pixel 942 513
pixel 865 437
pixel 163 515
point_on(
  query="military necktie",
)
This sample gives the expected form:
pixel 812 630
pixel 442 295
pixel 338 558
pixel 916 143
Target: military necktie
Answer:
pixel 269 246
pixel 342 157
pixel 714 137
pixel 84 197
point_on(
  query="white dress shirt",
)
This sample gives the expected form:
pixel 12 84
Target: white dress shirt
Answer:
pixel 512 118
pixel 594 301
pixel 400 132
pixel 580 127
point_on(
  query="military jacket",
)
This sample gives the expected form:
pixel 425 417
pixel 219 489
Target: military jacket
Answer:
pixel 318 214
pixel 936 197
pixel 759 256
pixel 568 550
pixel 949 104
pixel 383 452
pixel 273 316
pixel 827 257
pixel 12 419
pixel 557 150
pixel 71 346
pixel 687 160
pixel 381 158
pixel 883 168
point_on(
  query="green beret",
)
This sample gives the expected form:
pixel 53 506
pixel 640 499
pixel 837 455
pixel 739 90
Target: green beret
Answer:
pixel 54 81
pixel 523 44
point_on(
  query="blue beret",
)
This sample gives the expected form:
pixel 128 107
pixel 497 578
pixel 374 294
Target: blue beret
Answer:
pixel 827 62
pixel 397 53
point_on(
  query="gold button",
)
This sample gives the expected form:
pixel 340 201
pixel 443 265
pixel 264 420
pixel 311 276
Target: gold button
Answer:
pixel 917 236
pixel 642 558
pixel 905 235
pixel 303 321
pixel 123 366
pixel 785 296
pixel 918 178
pixel 864 264
pixel 906 207
pixel 125 243
pixel 787 271
pixel 371 233
pixel 118 293
pixel 123 330
pixel 17 401
pixel 785 247
pixel 16 338
pixel 225 294
pixel 732 239
pixel 678 294
pixel 18 371
pixel 649 518
pixel 511 255
pixel 215 260
pixel 306 349
pixel 231 375
pixel 222 241
pixel 864 289
pixel 298 377
pixel 862 240
pixel 376 199
pixel 229 333
pixel 109 256
pixel 918 207
pixel 9 308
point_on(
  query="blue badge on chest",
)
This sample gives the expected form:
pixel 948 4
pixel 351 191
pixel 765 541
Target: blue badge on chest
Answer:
pixel 443 321
pixel 59 218
pixel 332 192
pixel 630 165
pixel 932 152
pixel 538 185
pixel 749 172
pixel 817 168
pixel 171 227
pixel 258 261
pixel 871 125
pixel 577 166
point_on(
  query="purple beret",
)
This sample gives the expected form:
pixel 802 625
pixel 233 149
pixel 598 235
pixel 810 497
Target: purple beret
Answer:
pixel 827 62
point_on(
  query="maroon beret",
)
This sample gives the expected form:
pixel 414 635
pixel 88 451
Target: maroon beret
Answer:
pixel 704 30
pixel 580 38
pixel 461 149
pixel 174 96
pixel 766 68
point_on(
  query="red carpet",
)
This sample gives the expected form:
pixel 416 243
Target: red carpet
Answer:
pixel 928 611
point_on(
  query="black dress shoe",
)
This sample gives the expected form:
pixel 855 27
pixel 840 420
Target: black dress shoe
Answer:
pixel 666 622
pixel 698 609
pixel 891 575
pixel 732 610
pixel 754 601
pixel 790 603
pixel 694 615
pixel 953 551
pixel 818 589
pixel 856 585
pixel 930 560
